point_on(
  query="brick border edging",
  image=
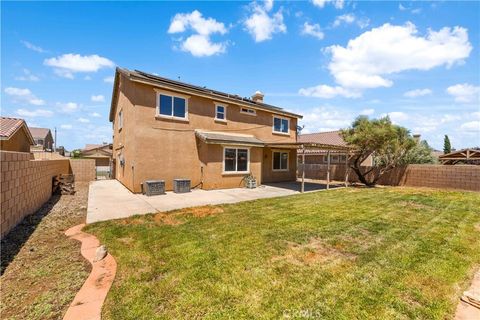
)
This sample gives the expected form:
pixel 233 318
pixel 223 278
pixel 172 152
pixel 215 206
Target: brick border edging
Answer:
pixel 88 302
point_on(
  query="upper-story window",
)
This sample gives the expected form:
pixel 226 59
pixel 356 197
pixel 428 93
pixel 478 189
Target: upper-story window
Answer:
pixel 172 106
pixel 248 111
pixel 280 125
pixel 220 112
pixel 120 120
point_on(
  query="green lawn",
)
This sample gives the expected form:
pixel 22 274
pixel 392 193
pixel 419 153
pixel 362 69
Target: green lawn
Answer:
pixel 350 253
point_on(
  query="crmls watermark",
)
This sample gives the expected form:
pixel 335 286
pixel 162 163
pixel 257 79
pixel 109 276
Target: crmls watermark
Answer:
pixel 301 314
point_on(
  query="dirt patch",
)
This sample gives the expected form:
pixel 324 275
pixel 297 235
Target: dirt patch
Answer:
pixel 200 212
pixel 175 218
pixel 413 205
pixel 42 269
pixel 134 221
pixel 165 218
pixel 312 252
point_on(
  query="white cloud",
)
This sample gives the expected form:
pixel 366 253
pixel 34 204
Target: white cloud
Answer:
pixel 326 118
pixel 199 44
pixel 27 76
pixel 95 115
pixel 261 25
pixel 475 115
pixel 471 126
pixel 66 126
pixel 34 113
pixel 396 116
pixel 344 18
pixel 83 120
pixel 67 107
pixel 97 98
pixel 389 49
pixel 33 47
pixel 368 60
pixel 328 92
pixel 18 92
pixel 401 8
pixel 416 11
pixel 417 93
pixel 68 64
pixel 183 21
pixel 367 112
pixel 464 92
pixel 313 30
pixel 338 4
pixel 350 18
pixel 24 95
pixel 109 79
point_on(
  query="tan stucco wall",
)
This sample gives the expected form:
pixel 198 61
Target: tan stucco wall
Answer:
pixel 276 176
pixel 158 148
pixel 19 142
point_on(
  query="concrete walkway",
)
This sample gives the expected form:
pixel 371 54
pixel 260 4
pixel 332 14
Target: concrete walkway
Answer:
pixel 109 199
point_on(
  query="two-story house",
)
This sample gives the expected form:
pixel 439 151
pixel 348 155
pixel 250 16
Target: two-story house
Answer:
pixel 43 139
pixel 166 129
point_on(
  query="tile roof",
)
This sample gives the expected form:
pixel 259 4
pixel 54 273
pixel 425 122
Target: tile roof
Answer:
pixel 9 126
pixel 331 138
pixel 39 132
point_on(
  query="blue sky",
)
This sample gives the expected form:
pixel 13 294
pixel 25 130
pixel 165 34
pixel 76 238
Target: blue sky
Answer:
pixel 328 60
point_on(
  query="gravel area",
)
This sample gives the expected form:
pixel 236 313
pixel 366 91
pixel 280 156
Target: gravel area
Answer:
pixel 42 269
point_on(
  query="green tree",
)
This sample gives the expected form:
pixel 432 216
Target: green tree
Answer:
pixel 447 147
pixel 421 153
pixel 76 153
pixel 386 142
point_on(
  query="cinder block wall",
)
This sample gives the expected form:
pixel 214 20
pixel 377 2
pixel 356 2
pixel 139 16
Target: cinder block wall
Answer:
pixel 464 177
pixel 83 169
pixel 25 186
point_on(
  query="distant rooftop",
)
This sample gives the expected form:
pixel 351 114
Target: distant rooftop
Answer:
pixel 39 133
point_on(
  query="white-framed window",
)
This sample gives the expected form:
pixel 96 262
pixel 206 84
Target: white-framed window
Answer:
pixel 248 111
pixel 172 105
pixel 120 120
pixel 280 161
pixel 281 125
pixel 236 160
pixel 220 112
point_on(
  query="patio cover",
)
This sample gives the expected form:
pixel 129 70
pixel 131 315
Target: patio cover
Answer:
pixel 304 147
pixel 217 137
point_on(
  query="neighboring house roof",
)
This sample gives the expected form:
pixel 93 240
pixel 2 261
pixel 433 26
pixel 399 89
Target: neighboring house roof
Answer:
pixel 332 138
pixel 97 149
pixel 144 77
pixel 39 133
pixel 215 137
pixel 9 126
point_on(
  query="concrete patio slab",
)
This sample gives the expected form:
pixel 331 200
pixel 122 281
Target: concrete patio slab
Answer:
pixel 109 199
